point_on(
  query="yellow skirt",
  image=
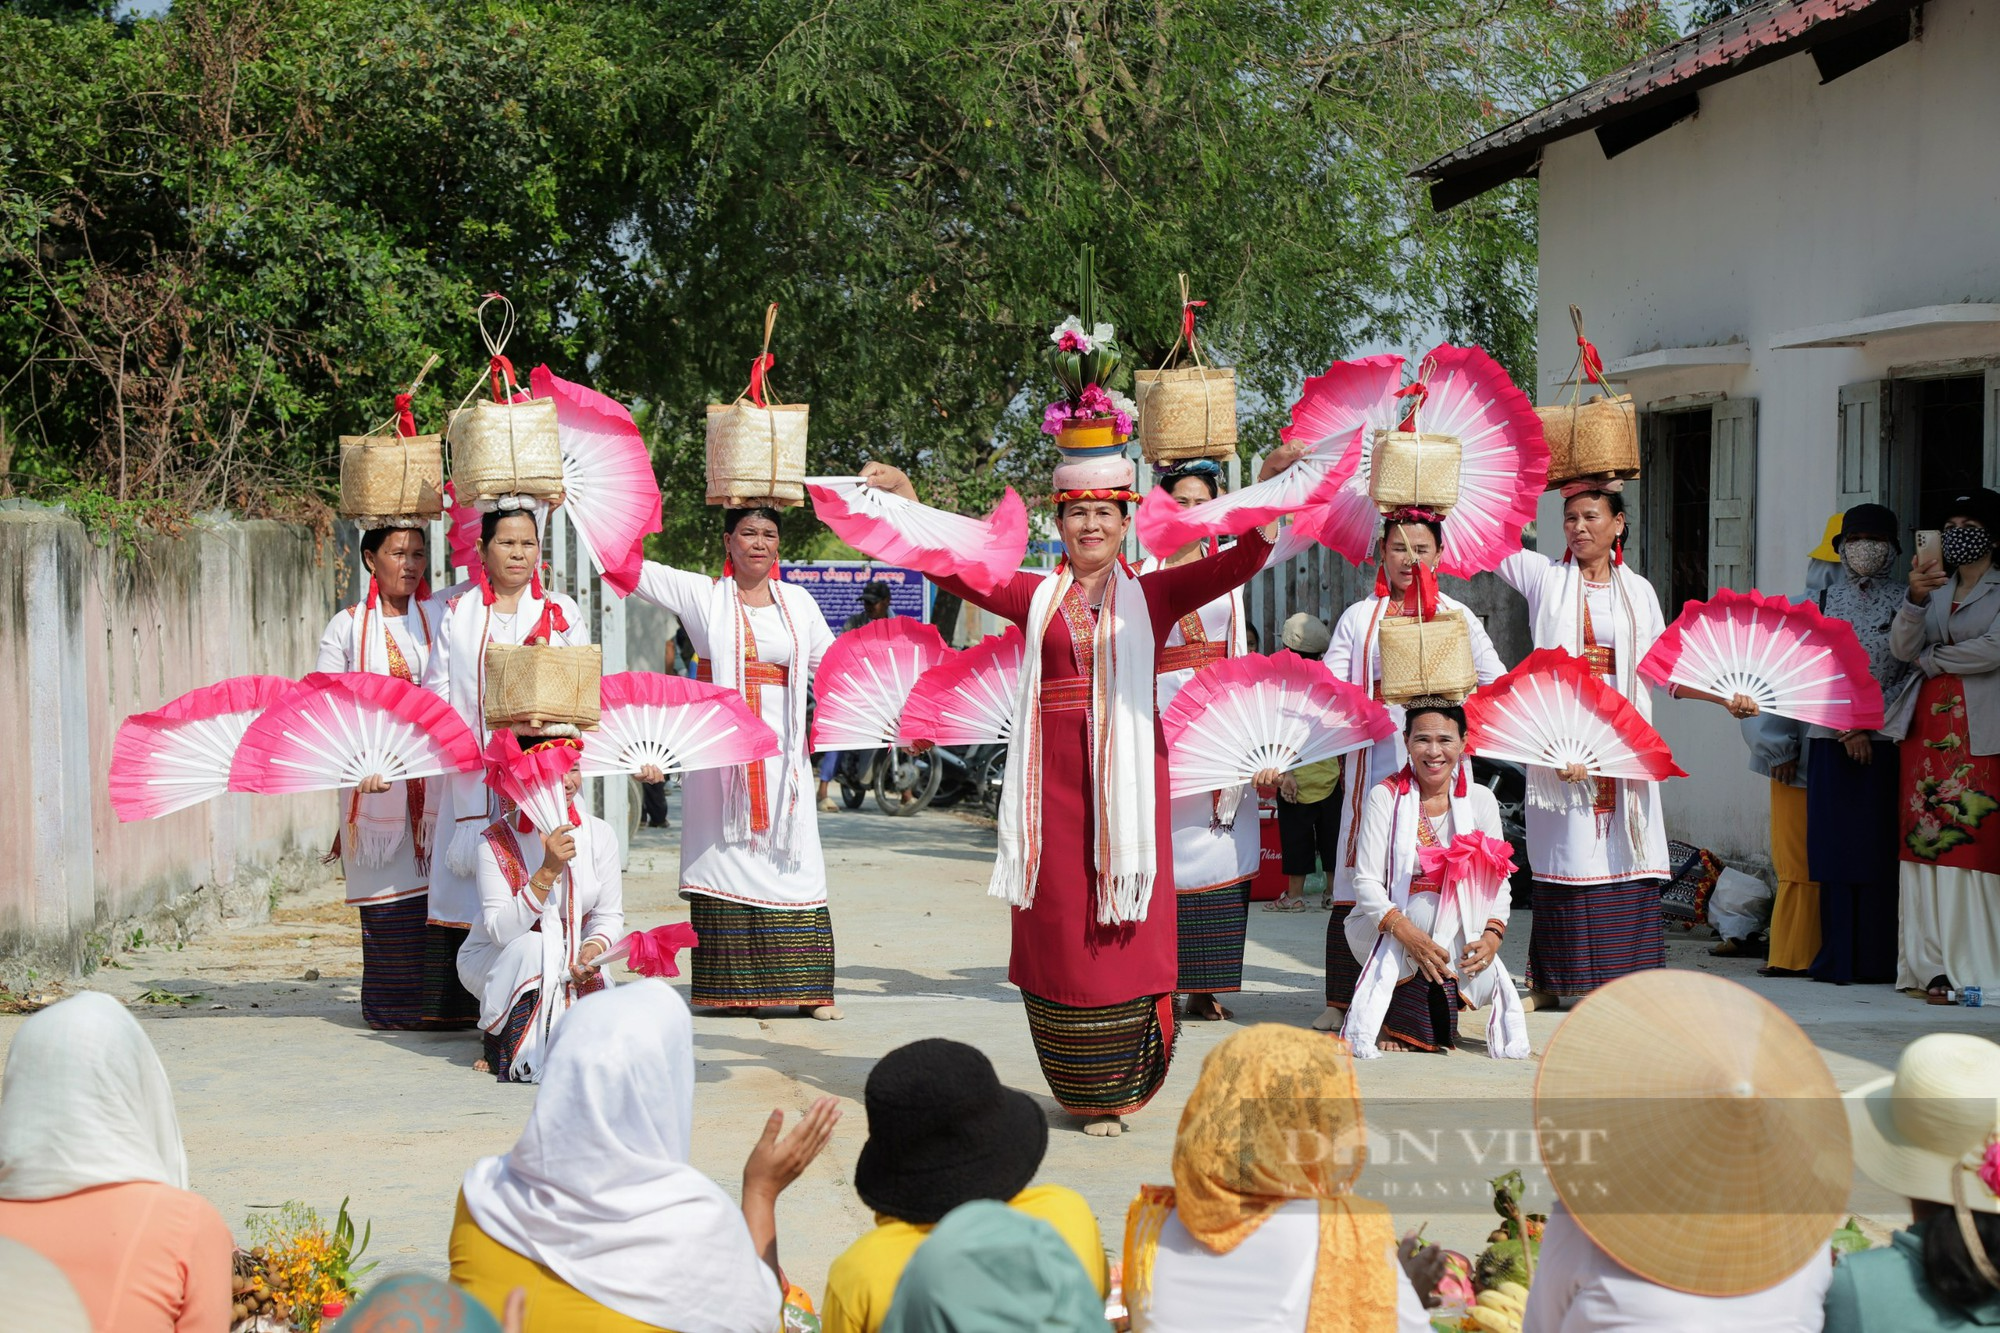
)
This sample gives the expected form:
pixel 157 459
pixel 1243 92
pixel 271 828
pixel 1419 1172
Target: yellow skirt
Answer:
pixel 1795 910
pixel 488 1271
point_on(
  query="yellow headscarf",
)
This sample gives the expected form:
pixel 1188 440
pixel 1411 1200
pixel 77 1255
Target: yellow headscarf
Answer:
pixel 1824 551
pixel 1274 1117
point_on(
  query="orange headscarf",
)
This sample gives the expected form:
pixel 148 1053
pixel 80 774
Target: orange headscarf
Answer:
pixel 1275 1117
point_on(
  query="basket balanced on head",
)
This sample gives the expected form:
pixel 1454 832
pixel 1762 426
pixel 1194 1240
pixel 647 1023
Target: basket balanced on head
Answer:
pixel 1186 411
pixel 1412 467
pixel 1427 655
pixel 1599 438
pixel 756 444
pixel 503 447
pixel 538 686
pixel 393 480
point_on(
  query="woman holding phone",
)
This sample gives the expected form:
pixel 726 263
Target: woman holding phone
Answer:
pixel 1949 879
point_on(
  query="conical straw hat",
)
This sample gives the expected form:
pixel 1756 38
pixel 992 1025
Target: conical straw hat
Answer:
pixel 1693 1132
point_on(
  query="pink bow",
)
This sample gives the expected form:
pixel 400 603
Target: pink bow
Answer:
pixel 651 953
pixel 1473 861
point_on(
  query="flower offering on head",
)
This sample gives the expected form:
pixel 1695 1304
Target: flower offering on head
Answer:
pixel 1083 355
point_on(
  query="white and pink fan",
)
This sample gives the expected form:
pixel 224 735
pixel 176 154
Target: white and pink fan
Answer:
pixel 1791 659
pixel 1315 479
pixel 984 552
pixel 1502 470
pixel 968 699
pixel 609 489
pixel 533 781
pixel 179 754
pixel 337 728
pixel 650 953
pixel 865 679
pixel 1246 714
pixel 1553 711
pixel 675 724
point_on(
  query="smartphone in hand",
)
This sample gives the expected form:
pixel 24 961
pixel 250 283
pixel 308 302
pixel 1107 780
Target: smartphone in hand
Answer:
pixel 1928 552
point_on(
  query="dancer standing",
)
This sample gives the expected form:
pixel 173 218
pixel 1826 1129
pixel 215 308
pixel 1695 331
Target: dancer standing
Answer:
pixel 1410 537
pixel 751 868
pixel 388 829
pixel 1215 833
pixel 507 606
pixel 1085 831
pixel 1600 860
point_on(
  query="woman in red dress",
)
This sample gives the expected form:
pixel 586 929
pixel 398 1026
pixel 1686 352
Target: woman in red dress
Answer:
pixel 1086 844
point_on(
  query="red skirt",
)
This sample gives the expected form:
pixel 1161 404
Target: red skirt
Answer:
pixel 1950 811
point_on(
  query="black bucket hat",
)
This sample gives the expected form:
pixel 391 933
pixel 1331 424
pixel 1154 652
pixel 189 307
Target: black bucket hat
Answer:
pixel 1878 519
pixel 1982 506
pixel 943 1131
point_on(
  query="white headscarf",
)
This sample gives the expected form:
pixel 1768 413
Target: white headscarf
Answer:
pixel 85 1102
pixel 599 1188
pixel 1120 780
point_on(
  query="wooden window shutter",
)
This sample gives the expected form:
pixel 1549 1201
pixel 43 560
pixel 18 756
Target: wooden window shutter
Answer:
pixel 1864 444
pixel 1648 507
pixel 1732 490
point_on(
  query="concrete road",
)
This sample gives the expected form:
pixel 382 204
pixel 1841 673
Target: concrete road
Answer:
pixel 284 1094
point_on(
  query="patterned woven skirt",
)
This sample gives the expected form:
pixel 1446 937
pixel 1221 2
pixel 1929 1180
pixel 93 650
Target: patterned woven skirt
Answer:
pixel 1106 1060
pixel 502 1046
pixel 1342 972
pixel 1584 937
pixel 393 943
pixel 1211 926
pixel 448 1005
pixel 751 957
pixel 1424 1015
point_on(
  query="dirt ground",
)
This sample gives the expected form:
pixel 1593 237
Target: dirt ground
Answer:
pixel 284 1094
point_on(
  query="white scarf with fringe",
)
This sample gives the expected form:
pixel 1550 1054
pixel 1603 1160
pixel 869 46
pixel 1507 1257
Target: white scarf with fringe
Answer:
pixel 1559 624
pixel 1124 859
pixel 727 621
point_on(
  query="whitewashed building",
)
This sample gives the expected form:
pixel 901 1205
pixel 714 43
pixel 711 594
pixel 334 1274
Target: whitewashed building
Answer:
pixel 1784 231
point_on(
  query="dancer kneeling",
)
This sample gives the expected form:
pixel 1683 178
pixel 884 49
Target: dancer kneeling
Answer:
pixel 1431 890
pixel 534 945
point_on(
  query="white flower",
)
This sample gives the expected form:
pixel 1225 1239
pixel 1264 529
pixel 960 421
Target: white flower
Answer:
pixel 1101 333
pixel 1121 402
pixel 1072 329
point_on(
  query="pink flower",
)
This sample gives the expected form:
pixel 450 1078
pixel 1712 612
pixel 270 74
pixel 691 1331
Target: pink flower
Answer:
pixel 1916 805
pixel 1072 341
pixel 1950 789
pixel 1929 826
pixel 1122 423
pixel 1989 1166
pixel 1054 415
pixel 1093 401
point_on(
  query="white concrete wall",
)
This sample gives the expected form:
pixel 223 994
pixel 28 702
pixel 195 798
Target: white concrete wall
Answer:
pixel 1784 204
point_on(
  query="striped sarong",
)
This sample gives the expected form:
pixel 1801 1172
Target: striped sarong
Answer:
pixel 502 1046
pixel 448 1005
pixel 1584 937
pixel 393 941
pixel 751 957
pixel 1424 1014
pixel 1106 1060
pixel 1211 924
pixel 1342 971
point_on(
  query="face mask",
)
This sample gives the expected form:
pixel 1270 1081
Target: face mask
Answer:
pixel 1865 558
pixel 1963 546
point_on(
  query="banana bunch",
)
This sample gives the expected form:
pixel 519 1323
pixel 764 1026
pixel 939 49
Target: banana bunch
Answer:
pixel 1501 1307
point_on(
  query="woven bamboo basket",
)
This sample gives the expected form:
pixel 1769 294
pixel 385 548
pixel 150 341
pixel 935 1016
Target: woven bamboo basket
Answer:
pixel 535 684
pixel 1426 658
pixel 1186 413
pixel 506 449
pixel 756 455
pixel 1409 468
pixel 1593 439
pixel 391 480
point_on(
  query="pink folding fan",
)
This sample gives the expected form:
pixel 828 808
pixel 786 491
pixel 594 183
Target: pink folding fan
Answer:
pixel 984 552
pixel 1242 715
pixel 337 728
pixel 179 755
pixel 609 489
pixel 968 699
pixel 866 677
pixel 1792 660
pixel 675 724
pixel 650 953
pixel 1464 393
pixel 1553 711
pixel 533 781
pixel 1316 478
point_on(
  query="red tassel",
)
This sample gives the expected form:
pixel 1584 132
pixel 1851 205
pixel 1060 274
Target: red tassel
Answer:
pixel 1418 391
pixel 1617 553
pixel 494 368
pixel 1187 320
pixel 728 568
pixel 1593 363
pixel 1458 789
pixel 1425 583
pixel 1382 588
pixel 486 593
pixel 762 364
pixel 406 420
pixel 424 588
pixel 374 592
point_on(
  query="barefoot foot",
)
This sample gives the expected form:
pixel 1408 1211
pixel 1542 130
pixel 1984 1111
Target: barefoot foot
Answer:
pixel 481 1067
pixel 1540 1000
pixel 1206 1008
pixel 1331 1020
pixel 1104 1127
pixel 825 1013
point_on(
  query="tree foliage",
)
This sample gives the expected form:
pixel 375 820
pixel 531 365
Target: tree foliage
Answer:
pixel 229 233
